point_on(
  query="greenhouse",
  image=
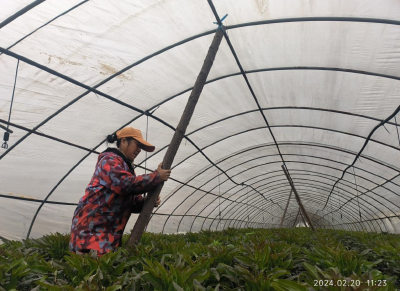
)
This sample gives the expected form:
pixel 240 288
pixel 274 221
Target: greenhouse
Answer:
pixel 294 137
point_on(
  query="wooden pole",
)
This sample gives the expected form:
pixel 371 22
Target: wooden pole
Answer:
pixel 303 210
pixel 145 214
pixel 287 204
pixel 301 215
pixel 297 216
pixel 302 218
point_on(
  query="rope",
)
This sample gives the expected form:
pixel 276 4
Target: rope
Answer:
pixel 7 134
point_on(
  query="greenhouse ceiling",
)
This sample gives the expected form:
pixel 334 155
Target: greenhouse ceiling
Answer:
pixel 312 85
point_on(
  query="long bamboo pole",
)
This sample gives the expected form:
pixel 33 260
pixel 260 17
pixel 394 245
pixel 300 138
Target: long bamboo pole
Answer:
pixel 297 217
pixel 302 218
pixel 303 210
pixel 287 204
pixel 145 214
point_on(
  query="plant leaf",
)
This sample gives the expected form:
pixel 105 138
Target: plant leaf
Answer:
pixel 286 285
pixel 177 287
pixel 197 286
pixel 114 288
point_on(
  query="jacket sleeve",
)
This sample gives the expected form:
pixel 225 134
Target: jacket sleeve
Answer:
pixel 114 176
pixel 147 182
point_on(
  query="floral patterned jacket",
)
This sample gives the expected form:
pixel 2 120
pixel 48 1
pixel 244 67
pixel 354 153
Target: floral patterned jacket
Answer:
pixel 112 195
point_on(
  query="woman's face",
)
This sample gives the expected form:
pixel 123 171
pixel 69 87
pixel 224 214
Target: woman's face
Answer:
pixel 130 149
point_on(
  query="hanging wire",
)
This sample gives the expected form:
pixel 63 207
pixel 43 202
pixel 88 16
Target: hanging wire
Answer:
pixel 219 197
pixel 340 206
pixel 332 206
pixel 397 128
pixel 248 208
pixel 145 161
pixel 147 131
pixel 7 134
pixel 337 198
pixel 145 165
pixel 358 202
pixel 386 129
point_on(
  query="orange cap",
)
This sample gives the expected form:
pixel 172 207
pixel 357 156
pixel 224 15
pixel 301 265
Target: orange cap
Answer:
pixel 137 135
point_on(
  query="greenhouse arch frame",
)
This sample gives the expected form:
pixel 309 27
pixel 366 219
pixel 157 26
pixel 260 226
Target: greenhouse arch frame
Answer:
pixel 347 169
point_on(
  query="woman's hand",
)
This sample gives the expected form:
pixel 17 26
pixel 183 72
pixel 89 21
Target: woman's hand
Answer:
pixel 164 174
pixel 158 202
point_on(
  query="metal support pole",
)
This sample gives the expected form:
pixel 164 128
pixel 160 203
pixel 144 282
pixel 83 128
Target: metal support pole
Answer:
pixel 145 214
pixel 20 12
pixel 287 204
pixel 303 210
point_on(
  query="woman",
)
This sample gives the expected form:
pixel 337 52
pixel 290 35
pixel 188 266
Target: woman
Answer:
pixel 113 194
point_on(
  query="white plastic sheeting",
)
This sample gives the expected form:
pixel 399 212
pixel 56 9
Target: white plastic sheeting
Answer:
pixel 323 85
